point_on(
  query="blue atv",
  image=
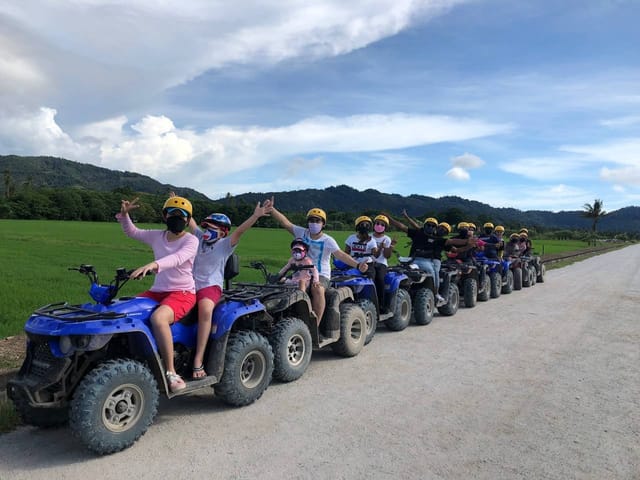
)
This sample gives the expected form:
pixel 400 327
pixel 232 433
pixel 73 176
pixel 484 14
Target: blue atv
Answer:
pixel 97 365
pixel 422 290
pixel 395 311
pixel 499 273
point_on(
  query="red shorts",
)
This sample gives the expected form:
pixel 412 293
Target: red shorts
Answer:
pixel 180 302
pixel 213 293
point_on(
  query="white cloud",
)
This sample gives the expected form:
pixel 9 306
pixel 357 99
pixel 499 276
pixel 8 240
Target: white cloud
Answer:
pixel 627 176
pixel 458 173
pixel 546 168
pixel 133 50
pixel 620 122
pixel 467 161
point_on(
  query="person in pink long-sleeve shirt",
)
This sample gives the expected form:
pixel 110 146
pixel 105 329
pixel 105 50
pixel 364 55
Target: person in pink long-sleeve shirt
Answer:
pixel 174 251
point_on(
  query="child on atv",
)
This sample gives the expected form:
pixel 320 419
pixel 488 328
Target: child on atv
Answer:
pixel 304 271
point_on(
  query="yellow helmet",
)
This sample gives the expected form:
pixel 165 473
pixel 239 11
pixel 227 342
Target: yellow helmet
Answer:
pixel 488 225
pixel 178 202
pixel 524 230
pixel 463 225
pixel 514 235
pixel 319 213
pixel 431 220
pixel 361 219
pixel 471 226
pixel 382 218
pixel 499 228
pixel 523 234
pixel 446 226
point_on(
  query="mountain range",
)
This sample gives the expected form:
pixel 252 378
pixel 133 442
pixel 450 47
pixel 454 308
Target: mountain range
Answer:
pixel 61 173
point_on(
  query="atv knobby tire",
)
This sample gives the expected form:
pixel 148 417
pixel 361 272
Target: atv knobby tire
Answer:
pixel 423 306
pixel 470 294
pixel 484 288
pixel 496 284
pixel 352 331
pixel 451 307
pixel 401 313
pixel 507 288
pixel 291 344
pixel 248 368
pixel 526 277
pixel 540 277
pixel 114 405
pixel 39 417
pixel 517 278
pixel 371 316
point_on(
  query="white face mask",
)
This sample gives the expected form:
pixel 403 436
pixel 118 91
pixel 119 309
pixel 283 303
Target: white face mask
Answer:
pixel 298 255
pixel 315 228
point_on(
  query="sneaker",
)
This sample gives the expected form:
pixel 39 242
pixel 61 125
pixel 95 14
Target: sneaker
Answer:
pixel 175 381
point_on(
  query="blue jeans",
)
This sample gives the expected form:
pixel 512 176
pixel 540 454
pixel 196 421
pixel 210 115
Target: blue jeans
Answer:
pixel 432 266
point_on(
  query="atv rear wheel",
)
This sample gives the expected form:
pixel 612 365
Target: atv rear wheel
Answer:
pixel 291 345
pixel 401 313
pixel 248 368
pixel 114 405
pixel 541 273
pixel 352 331
pixel 371 316
pixel 484 288
pixel 423 306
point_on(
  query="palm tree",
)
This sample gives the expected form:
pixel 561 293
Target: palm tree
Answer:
pixel 595 213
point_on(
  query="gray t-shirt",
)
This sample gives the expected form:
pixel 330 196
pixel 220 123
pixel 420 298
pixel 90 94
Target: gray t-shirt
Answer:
pixel 208 267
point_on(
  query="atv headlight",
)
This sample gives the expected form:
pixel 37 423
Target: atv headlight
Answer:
pixel 90 342
pixel 65 345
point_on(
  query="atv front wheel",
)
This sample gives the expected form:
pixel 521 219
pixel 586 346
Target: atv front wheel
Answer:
pixel 517 279
pixel 484 288
pixel 496 284
pixel 470 294
pixel 248 368
pixel 291 345
pixel 114 405
pixel 507 288
pixel 423 306
pixel 451 307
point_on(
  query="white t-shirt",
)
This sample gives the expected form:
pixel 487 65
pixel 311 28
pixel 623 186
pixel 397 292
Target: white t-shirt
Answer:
pixel 361 251
pixel 383 242
pixel 208 267
pixel 320 250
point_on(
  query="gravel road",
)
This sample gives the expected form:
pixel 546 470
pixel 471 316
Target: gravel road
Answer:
pixel 540 384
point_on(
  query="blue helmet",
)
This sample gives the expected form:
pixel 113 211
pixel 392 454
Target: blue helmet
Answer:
pixel 219 219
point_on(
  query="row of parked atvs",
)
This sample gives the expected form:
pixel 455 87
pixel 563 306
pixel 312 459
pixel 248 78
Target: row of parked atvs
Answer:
pixel 96 366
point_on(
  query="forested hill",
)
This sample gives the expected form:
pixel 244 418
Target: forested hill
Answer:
pixel 60 173
pixel 21 174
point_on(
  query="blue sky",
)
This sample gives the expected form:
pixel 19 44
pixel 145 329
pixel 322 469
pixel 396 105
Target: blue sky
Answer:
pixel 532 105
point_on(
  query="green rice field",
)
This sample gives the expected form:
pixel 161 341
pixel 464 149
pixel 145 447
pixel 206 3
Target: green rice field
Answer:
pixel 35 256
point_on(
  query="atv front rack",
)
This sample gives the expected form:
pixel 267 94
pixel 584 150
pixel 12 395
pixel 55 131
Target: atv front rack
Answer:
pixel 74 313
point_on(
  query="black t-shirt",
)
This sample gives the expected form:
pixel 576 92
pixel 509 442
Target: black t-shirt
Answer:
pixel 423 245
pixel 492 244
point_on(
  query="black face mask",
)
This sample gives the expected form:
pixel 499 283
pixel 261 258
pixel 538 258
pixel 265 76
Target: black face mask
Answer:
pixel 363 230
pixel 441 232
pixel 513 240
pixel 463 232
pixel 429 229
pixel 488 231
pixel 176 224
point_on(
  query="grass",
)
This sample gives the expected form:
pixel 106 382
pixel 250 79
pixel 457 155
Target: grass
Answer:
pixel 9 419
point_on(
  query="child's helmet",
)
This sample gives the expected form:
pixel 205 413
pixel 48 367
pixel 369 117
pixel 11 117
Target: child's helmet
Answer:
pixel 431 220
pixel 383 219
pixel 218 219
pixel 317 212
pixel 300 243
pixel 499 228
pixel 178 202
pixel 524 230
pixel 361 219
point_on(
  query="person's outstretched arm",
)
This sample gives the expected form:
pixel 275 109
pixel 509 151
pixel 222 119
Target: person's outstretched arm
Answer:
pixel 282 220
pixel 259 211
